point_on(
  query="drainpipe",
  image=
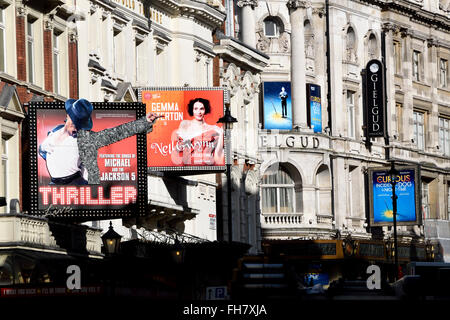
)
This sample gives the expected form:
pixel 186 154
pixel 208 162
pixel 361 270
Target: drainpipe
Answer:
pixel 330 123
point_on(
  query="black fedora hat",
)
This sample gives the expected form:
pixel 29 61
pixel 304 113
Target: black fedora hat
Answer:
pixel 79 112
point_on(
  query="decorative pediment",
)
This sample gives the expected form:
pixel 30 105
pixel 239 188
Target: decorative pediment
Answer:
pixel 10 105
pixel 125 93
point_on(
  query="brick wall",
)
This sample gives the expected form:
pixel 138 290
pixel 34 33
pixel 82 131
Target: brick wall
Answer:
pixel 73 69
pixel 21 51
pixel 48 62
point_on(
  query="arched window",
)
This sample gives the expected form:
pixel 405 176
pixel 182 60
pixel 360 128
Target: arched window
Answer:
pixel 280 192
pixel 272 27
pixel 323 196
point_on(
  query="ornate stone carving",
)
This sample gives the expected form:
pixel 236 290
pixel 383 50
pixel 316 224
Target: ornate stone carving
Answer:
pixel 295 4
pixel 21 10
pixel 236 175
pixel 283 42
pixel 73 36
pixel 251 182
pixel 263 42
pixel 309 46
pixel 243 3
pixel 319 11
pixel 48 23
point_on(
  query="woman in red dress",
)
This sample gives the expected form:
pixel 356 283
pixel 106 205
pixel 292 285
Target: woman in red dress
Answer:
pixel 198 143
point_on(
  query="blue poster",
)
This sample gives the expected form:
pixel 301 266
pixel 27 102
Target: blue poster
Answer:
pixel 277 105
pixel 382 196
pixel 315 106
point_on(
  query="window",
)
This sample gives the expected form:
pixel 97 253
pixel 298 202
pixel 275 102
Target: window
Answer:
pixel 425 200
pixel 56 63
pixel 116 51
pixel 443 73
pixel 4 180
pixel 2 41
pixel 351 113
pixel 444 136
pixel 354 191
pixel 416 65
pixel 418 124
pixel 448 202
pixel 279 194
pixel 138 58
pixel 397 57
pixel 399 118
pixel 30 50
pixel 271 28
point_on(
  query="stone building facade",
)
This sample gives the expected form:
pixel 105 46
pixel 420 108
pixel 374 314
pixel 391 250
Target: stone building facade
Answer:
pixel 320 177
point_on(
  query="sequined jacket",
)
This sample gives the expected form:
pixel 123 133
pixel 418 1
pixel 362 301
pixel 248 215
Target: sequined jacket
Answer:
pixel 89 142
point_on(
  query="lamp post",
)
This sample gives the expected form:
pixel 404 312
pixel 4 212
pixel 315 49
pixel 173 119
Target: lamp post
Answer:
pixel 228 121
pixel 393 173
pixel 111 241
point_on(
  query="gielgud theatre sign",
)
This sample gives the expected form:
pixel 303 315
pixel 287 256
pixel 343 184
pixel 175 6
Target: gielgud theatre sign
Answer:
pixel 289 141
pixel 87 160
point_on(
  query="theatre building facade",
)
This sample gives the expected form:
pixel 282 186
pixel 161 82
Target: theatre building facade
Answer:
pixel 315 174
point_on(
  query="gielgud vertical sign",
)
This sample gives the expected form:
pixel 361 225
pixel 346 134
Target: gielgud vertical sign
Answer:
pixel 61 184
pixel 375 99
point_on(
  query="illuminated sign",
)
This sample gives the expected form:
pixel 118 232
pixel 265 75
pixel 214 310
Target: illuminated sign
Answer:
pixel 60 183
pixel 315 107
pixel 188 137
pixel 406 189
pixel 375 100
pixel 277 105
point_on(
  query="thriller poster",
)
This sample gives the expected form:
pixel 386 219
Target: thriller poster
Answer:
pixel 60 178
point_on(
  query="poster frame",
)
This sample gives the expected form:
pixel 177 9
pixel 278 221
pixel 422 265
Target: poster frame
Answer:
pixel 189 170
pixel 138 208
pixel 418 219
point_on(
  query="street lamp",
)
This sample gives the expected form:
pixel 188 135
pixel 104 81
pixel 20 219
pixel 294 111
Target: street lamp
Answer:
pixel 393 174
pixel 228 121
pixel 111 241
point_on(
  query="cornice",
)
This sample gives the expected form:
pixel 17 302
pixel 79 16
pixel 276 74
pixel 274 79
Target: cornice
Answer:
pixel 414 11
pixel 201 11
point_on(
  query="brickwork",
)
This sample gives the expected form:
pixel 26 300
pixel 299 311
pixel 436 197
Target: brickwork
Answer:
pixel 48 62
pixel 21 49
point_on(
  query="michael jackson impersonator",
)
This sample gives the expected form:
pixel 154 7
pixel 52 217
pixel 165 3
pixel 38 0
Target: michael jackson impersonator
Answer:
pixel 70 150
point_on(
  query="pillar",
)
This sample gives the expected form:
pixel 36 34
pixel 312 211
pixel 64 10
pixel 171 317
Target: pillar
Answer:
pixel 248 21
pixel 298 84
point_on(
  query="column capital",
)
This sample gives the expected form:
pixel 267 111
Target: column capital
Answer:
pixel 432 42
pixel 21 10
pixel 48 22
pixel 243 3
pixel 296 4
pixel 73 36
pixel 406 32
pixel 389 26
pixel 319 11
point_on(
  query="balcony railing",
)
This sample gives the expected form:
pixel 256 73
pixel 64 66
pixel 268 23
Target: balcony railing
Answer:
pixel 281 219
pixel 36 231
